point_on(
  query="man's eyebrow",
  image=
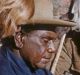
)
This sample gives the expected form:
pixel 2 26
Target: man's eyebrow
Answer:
pixel 48 36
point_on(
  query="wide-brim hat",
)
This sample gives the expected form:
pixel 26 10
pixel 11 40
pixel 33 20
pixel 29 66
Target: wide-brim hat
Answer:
pixel 51 22
pixel 44 15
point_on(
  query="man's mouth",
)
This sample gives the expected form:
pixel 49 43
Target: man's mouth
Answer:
pixel 45 60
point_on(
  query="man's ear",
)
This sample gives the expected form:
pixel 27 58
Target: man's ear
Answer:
pixel 18 40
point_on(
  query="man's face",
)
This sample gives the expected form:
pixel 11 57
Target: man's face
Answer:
pixel 38 46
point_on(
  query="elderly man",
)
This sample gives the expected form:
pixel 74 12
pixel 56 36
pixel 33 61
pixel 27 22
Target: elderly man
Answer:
pixel 27 43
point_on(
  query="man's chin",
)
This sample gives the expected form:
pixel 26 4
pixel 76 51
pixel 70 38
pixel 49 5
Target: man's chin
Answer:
pixel 40 65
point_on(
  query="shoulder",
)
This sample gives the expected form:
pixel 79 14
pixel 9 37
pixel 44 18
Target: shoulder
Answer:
pixel 4 66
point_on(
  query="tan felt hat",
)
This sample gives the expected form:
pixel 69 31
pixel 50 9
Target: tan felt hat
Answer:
pixel 44 15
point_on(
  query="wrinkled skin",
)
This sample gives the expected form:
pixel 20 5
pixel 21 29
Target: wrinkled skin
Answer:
pixel 37 47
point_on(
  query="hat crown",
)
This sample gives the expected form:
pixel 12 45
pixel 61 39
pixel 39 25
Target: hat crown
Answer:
pixel 43 9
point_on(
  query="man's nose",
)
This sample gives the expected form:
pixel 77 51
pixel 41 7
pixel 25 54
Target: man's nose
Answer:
pixel 51 47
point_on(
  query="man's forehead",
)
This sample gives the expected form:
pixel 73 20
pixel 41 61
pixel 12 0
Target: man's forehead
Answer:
pixel 47 34
pixel 44 32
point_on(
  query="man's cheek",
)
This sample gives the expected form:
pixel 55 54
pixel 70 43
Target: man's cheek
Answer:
pixel 42 50
pixel 36 56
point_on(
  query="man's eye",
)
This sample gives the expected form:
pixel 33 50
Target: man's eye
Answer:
pixel 45 40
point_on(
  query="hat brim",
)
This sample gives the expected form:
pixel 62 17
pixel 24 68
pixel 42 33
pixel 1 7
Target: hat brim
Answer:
pixel 52 22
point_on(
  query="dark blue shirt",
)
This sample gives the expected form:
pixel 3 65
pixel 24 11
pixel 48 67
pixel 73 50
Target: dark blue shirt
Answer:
pixel 10 64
